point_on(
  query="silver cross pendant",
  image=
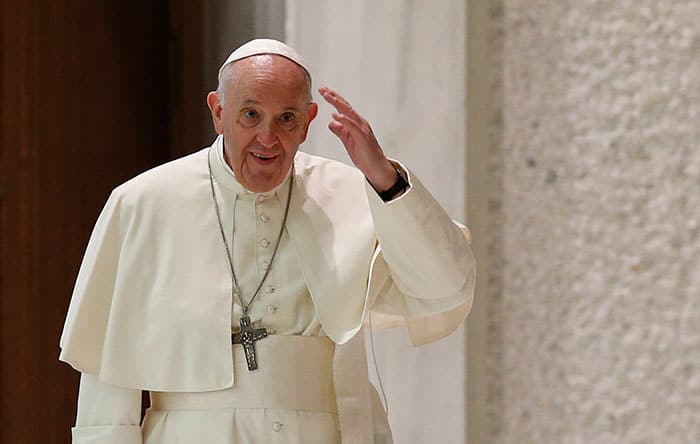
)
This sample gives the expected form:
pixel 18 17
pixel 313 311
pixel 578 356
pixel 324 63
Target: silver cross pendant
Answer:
pixel 247 337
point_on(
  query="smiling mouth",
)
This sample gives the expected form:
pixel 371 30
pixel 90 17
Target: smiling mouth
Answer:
pixel 263 156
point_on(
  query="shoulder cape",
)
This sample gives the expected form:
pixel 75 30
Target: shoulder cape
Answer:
pixel 151 307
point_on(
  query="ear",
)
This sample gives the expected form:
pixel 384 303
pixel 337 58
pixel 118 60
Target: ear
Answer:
pixel 310 116
pixel 215 107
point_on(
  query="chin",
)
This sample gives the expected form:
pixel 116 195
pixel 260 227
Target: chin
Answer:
pixel 263 185
pixel 263 182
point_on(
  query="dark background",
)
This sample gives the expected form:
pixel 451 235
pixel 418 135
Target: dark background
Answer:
pixel 92 93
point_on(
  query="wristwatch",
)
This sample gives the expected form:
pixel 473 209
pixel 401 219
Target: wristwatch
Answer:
pixel 398 187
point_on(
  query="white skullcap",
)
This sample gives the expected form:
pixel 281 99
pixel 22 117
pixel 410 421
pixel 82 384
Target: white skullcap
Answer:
pixel 264 46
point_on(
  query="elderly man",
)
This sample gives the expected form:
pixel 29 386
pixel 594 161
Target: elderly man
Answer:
pixel 281 253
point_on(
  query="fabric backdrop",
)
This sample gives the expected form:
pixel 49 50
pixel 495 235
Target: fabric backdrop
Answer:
pixel 401 64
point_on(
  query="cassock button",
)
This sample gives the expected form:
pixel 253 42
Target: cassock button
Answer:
pixel 266 265
pixel 271 308
pixel 264 218
pixel 269 289
pixel 276 426
pixel 264 243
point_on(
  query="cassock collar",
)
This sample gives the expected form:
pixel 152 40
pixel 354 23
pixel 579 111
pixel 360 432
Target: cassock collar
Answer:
pixel 223 174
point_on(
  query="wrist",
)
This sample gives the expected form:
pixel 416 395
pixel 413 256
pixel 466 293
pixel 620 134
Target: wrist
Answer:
pixel 384 178
pixel 397 188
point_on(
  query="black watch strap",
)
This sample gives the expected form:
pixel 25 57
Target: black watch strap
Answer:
pixel 399 186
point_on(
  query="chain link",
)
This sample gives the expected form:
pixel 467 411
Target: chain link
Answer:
pixel 235 288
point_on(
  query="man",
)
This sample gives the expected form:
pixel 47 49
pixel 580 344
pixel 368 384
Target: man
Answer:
pixel 282 253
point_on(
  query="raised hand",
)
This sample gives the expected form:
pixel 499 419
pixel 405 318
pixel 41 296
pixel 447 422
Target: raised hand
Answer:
pixel 359 141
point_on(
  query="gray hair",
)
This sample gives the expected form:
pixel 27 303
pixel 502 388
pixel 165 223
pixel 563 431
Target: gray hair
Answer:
pixel 228 74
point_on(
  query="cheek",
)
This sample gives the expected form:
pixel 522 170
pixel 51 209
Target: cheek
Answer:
pixel 291 146
pixel 236 143
pixel 293 138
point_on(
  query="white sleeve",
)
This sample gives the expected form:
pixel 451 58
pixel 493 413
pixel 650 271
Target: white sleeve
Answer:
pixel 424 264
pixel 107 414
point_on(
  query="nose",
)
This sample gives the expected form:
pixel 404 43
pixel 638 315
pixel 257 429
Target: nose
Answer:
pixel 267 136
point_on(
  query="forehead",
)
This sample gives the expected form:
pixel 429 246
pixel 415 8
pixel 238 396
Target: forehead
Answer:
pixel 266 75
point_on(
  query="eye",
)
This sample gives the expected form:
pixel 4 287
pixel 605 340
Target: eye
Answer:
pixel 250 114
pixel 249 117
pixel 287 117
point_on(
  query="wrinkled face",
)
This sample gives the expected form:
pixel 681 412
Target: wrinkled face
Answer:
pixel 264 118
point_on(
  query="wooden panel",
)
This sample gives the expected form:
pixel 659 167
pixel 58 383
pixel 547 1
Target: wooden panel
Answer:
pixel 83 107
pixel 187 96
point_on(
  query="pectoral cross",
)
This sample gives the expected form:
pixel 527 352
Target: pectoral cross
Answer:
pixel 247 337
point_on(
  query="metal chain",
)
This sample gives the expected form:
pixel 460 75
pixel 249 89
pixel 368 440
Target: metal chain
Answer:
pixel 236 289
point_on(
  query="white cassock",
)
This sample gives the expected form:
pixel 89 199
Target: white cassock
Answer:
pixel 152 307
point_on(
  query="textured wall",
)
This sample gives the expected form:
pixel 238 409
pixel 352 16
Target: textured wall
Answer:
pixel 599 321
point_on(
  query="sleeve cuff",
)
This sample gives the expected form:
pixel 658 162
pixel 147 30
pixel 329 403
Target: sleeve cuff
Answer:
pixel 108 434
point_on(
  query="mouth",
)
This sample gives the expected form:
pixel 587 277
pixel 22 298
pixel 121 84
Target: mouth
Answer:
pixel 264 158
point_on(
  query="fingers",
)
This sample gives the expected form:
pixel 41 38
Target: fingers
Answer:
pixel 352 124
pixel 347 130
pixel 340 104
pixel 353 131
pixel 340 131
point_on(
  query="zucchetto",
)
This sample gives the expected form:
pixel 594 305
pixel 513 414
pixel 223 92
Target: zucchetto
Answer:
pixel 265 46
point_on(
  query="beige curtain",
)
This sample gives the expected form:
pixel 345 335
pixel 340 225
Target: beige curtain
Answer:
pixel 401 63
